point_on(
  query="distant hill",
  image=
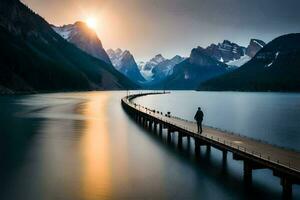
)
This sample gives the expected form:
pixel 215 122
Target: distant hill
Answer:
pixel 34 58
pixel 276 67
pixel 196 69
pixel 125 63
pixel 84 38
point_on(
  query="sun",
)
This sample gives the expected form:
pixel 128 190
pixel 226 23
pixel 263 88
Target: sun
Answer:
pixel 92 23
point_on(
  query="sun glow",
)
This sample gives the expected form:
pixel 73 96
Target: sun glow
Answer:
pixel 92 23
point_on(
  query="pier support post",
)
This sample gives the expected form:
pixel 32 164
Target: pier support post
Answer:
pixel 139 119
pixel 287 188
pixel 197 146
pixel 150 125
pixel 179 140
pixel 160 129
pixel 169 138
pixel 208 148
pixel 155 127
pixel 247 172
pixel 143 122
pixel 224 152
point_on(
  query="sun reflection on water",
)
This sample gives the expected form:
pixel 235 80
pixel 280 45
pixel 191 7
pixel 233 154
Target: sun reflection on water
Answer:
pixel 95 149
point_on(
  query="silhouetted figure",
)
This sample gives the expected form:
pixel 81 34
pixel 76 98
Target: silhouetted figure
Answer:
pixel 199 118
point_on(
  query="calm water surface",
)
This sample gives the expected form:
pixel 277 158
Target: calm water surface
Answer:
pixel 271 117
pixel 84 146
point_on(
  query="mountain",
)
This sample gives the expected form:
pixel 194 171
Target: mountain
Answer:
pixel 230 54
pixel 194 70
pixel 124 62
pixel 225 51
pixel 158 68
pixel 84 38
pixel 276 67
pixel 34 58
pixel 239 62
pixel 254 46
pixel 165 68
pixel 153 62
pixel 115 56
pixel 146 67
pixel 233 54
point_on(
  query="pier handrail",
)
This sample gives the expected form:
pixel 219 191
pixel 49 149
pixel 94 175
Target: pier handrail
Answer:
pixel 256 154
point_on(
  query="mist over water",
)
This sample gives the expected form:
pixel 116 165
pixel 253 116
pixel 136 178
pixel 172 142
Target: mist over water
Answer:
pixel 84 146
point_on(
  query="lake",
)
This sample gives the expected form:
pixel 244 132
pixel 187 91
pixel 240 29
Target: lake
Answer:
pixel 84 146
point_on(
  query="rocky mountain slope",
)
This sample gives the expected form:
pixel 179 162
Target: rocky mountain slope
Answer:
pixel 84 38
pixel 165 68
pixel 196 69
pixel 233 54
pixel 158 68
pixel 225 51
pixel 125 63
pixel 254 46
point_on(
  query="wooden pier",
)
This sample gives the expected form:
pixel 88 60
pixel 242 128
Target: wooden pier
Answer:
pixel 255 154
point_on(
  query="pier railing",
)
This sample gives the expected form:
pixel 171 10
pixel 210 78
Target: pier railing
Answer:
pixel 256 154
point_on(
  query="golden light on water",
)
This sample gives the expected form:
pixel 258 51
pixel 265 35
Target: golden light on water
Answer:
pixel 95 149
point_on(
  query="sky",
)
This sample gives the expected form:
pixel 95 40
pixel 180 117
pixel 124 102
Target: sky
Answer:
pixel 174 27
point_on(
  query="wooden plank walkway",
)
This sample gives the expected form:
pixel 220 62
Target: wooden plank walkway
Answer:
pixel 255 154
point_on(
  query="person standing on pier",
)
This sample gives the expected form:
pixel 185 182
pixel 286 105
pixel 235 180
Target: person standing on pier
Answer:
pixel 199 118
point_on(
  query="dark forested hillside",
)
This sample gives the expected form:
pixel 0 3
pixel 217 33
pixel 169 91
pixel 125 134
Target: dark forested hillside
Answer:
pixel 35 58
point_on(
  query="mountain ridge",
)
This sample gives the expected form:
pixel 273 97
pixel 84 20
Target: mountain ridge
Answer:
pixel 276 67
pixel 84 38
pixel 34 58
pixel 233 54
pixel 188 74
pixel 159 67
pixel 125 63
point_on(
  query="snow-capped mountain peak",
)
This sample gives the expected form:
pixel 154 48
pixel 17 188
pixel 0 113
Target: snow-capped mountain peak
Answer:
pixel 84 38
pixel 115 57
pixel 159 67
pixel 225 51
pixel 233 54
pixel 118 51
pixel 157 59
pixel 126 53
pixel 124 62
